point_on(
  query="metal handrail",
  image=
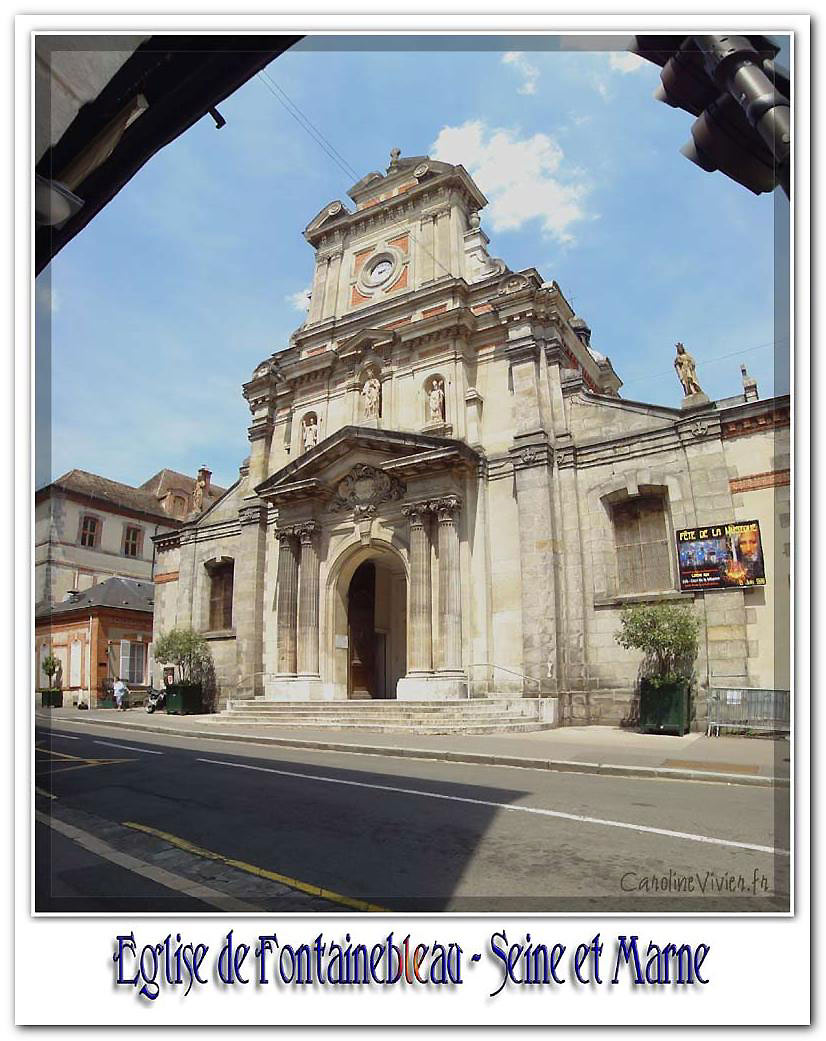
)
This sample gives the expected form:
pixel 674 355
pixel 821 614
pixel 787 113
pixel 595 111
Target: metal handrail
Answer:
pixel 502 668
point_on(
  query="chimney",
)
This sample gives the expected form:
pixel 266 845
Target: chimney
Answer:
pixel 749 385
pixel 72 596
pixel 204 475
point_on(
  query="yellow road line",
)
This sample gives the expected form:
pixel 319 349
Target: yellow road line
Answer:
pixel 84 764
pixel 252 869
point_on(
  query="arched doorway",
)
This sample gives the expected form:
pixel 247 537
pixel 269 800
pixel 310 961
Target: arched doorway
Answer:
pixel 370 623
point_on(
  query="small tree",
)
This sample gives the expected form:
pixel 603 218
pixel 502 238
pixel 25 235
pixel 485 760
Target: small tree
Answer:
pixel 188 650
pixel 667 636
pixel 50 666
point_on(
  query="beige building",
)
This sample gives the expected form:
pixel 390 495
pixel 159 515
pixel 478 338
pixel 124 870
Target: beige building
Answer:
pixel 89 529
pixel 446 497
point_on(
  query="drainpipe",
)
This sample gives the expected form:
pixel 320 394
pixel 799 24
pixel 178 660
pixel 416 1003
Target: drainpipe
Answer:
pixel 91 670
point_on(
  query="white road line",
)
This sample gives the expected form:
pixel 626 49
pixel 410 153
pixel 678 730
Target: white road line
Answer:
pixel 197 890
pixel 513 807
pixel 54 733
pixel 130 748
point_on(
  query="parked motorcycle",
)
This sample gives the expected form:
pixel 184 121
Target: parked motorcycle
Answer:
pixel 156 700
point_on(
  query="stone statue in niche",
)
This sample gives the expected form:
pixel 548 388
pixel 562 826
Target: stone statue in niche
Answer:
pixel 371 396
pixel 436 401
pixel 687 371
pixel 310 432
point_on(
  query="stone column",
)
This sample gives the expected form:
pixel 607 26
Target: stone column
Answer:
pixel 450 601
pixel 308 600
pixel 420 636
pixel 248 599
pixel 287 600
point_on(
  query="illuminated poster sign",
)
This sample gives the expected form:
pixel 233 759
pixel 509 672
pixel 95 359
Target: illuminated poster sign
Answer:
pixel 721 556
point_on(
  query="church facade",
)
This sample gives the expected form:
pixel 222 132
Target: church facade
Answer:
pixel 447 497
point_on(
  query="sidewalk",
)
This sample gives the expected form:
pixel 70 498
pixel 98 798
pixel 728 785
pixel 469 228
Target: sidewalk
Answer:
pixel 594 749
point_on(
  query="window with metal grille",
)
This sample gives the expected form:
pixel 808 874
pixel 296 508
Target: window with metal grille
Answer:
pixel 132 542
pixel 220 596
pixel 641 537
pixel 89 532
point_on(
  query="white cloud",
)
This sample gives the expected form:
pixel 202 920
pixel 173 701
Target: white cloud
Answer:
pixel 528 72
pixel 625 61
pixel 300 300
pixel 520 176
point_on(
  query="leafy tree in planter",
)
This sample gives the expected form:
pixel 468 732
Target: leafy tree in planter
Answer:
pixel 189 651
pixel 667 636
pixel 51 667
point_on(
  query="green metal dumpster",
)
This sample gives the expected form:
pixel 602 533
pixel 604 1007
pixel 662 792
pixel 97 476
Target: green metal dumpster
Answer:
pixel 184 699
pixel 665 709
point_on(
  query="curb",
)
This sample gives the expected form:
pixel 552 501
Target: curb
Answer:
pixel 471 758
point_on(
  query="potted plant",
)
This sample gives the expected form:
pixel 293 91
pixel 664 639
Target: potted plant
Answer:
pixel 188 651
pixel 53 696
pixel 667 636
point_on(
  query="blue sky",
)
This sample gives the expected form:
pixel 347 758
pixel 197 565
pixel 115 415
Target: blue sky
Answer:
pixel 161 308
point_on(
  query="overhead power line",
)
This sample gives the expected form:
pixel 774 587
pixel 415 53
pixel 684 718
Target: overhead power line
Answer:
pixel 707 361
pixel 324 143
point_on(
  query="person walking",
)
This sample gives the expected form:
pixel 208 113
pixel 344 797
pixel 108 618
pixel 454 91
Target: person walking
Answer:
pixel 120 692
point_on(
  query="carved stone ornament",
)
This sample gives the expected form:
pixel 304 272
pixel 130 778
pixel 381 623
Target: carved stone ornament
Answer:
pixel 263 369
pixel 700 428
pixel 446 508
pixel 365 486
pixel 512 284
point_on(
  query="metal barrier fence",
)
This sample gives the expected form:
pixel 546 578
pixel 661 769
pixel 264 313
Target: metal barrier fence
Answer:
pixel 748 708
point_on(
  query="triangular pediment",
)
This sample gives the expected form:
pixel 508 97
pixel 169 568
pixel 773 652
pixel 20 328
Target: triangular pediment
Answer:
pixel 398 455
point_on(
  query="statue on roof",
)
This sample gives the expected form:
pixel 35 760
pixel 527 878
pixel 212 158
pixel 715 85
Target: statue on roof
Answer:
pixel 687 371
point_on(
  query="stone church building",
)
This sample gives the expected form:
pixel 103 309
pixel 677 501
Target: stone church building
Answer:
pixel 446 497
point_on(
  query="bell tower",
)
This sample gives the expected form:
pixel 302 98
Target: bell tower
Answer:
pixel 411 226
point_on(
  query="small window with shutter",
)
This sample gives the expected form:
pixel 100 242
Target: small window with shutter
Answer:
pixel 641 538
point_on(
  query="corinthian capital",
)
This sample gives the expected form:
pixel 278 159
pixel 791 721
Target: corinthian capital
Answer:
pixel 305 530
pixel 416 513
pixel 446 508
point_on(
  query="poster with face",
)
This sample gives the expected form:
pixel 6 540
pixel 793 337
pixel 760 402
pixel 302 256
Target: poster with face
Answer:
pixel 721 556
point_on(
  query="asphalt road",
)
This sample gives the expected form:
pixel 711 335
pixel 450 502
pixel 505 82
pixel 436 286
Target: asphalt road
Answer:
pixel 179 824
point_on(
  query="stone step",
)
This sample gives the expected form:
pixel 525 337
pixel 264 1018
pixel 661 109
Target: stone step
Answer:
pixel 354 720
pixel 384 707
pixel 473 716
pixel 383 715
pixel 487 727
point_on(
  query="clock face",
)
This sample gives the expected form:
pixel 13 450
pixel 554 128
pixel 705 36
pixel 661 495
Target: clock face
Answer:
pixel 379 272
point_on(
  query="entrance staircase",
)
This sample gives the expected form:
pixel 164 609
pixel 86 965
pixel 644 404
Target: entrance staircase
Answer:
pixel 490 715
